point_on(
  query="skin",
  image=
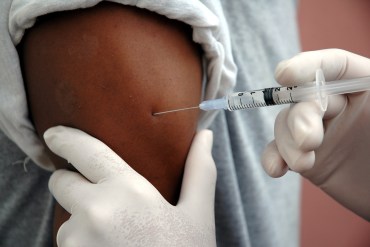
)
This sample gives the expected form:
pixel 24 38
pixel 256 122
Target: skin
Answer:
pixel 106 70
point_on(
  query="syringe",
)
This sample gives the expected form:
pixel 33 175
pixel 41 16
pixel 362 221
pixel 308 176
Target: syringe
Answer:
pixel 318 90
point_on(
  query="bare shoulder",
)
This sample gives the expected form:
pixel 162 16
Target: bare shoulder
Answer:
pixel 105 70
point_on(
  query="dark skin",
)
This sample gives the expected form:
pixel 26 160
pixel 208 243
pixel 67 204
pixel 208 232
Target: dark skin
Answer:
pixel 106 70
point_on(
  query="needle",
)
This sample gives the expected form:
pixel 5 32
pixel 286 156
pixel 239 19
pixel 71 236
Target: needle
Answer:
pixel 182 109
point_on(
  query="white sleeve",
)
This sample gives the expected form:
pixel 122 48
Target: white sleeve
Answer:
pixel 209 30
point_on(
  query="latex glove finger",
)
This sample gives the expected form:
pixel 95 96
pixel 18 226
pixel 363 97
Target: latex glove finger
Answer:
pixel 69 188
pixel 335 63
pixel 304 121
pixel 199 181
pixel 297 159
pixel 71 232
pixel 272 162
pixel 99 162
pixel 298 131
pixel 64 236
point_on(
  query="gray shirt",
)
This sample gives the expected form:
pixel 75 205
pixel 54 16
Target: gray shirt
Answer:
pixel 253 209
pixel 26 206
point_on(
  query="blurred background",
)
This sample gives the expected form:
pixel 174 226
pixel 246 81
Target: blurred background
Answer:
pixel 325 24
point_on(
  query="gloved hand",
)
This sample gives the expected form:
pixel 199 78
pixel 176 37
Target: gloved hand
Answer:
pixel 112 205
pixel 332 148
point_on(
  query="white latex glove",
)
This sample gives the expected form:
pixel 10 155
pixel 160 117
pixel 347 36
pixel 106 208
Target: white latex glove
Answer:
pixel 115 206
pixel 332 148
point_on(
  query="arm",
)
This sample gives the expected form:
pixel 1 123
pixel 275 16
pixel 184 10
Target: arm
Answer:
pixel 105 70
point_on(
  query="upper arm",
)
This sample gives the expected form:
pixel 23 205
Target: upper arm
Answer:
pixel 105 70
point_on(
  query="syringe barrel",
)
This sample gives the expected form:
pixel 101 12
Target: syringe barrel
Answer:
pixel 271 96
pixel 260 98
pixel 215 104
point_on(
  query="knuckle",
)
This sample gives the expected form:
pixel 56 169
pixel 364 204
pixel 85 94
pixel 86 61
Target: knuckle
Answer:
pixel 54 179
pixel 303 163
pixel 273 170
pixel 66 238
pixel 281 118
pixel 270 160
pixel 68 241
pixel 98 215
pixel 135 186
pixel 142 190
pixel 307 130
pixel 336 50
